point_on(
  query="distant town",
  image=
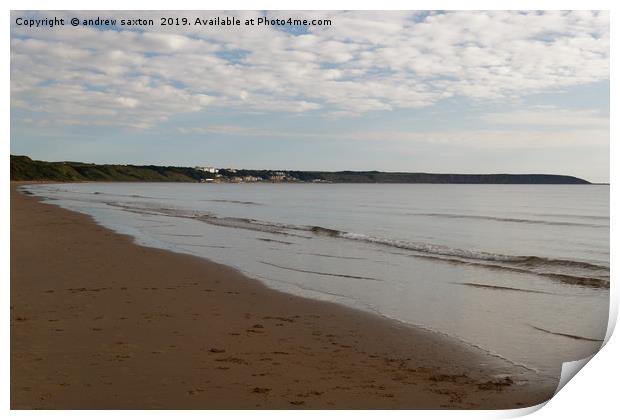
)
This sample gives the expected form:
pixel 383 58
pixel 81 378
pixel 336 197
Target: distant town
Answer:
pixel 216 175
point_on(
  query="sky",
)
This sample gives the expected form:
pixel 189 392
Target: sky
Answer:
pixel 455 92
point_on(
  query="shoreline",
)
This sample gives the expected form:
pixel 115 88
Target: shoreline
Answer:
pixel 98 321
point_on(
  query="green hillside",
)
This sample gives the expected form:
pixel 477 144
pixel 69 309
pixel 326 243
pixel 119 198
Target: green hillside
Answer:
pixel 25 169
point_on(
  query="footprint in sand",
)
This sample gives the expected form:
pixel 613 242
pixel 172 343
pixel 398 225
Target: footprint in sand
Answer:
pixel 195 391
pixel 279 318
pixel 497 384
pixel 235 360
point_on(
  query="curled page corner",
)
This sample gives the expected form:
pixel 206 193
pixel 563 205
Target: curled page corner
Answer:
pixel 570 369
pixel 521 412
pixel 613 316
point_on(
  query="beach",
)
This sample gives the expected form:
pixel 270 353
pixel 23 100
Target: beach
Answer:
pixel 99 322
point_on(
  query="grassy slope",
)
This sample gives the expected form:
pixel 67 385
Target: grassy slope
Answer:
pixel 25 169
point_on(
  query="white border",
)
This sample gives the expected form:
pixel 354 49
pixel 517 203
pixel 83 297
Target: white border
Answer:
pixel 593 393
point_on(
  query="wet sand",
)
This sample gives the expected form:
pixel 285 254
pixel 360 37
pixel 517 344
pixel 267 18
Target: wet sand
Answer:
pixel 98 322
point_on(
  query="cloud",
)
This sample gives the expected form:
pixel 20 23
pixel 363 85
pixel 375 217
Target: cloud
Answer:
pixel 363 62
pixel 549 117
pixel 528 138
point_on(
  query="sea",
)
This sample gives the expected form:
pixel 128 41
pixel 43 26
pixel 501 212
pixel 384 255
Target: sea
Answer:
pixel 519 272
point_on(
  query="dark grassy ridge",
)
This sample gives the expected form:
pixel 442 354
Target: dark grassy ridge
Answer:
pixel 25 169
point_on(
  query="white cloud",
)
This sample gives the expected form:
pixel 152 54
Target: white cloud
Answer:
pixel 481 138
pixel 547 117
pixel 365 61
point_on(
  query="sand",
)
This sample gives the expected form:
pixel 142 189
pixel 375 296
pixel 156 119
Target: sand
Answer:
pixel 98 322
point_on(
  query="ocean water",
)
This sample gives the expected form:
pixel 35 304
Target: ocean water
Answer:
pixel 520 272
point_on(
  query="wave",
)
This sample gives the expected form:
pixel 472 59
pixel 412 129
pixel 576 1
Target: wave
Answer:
pixel 575 337
pixel 566 271
pixel 511 219
pixel 573 216
pixel 476 255
pixel 117 195
pixel 493 287
pixel 319 230
pixel 601 282
pixel 572 272
pixel 299 270
pixel 208 246
pixel 247 203
pixel 342 257
pixel 232 222
pixel 275 240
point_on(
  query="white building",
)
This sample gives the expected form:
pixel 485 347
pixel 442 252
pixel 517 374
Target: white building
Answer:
pixel 209 169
